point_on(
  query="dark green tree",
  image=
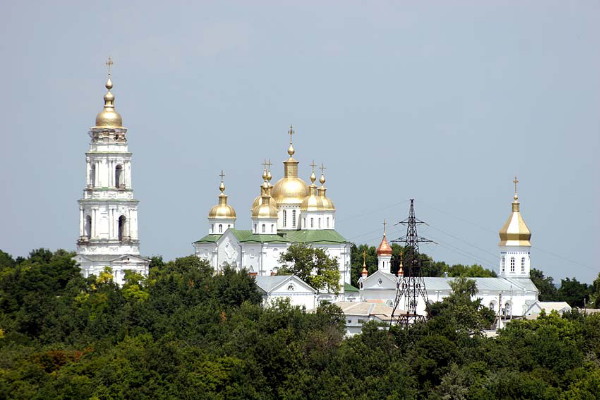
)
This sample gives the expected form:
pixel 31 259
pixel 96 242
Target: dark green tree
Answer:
pixel 574 292
pixel 313 265
pixel 545 285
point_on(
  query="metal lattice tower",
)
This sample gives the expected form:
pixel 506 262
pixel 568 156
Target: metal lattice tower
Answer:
pixel 410 286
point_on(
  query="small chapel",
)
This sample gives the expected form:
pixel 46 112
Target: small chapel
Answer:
pixel 291 211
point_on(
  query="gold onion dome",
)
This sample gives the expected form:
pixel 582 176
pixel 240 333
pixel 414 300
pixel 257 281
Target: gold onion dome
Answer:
pixel 265 209
pixel 222 210
pixel 108 117
pixel 384 247
pixel 312 202
pixel 266 177
pixel 515 232
pixel 326 203
pixel 290 189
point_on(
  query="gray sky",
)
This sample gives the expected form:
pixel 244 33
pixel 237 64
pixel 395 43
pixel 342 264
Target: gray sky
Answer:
pixel 441 101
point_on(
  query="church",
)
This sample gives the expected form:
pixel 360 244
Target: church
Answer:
pixel 108 225
pixel 510 295
pixel 289 212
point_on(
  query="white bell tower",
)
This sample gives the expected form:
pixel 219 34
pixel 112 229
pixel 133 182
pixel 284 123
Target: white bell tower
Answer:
pixel 108 221
pixel 515 245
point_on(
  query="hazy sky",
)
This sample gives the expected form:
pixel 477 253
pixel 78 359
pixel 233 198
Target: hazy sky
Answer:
pixel 441 101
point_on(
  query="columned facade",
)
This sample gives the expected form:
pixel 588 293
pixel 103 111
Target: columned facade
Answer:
pixel 108 219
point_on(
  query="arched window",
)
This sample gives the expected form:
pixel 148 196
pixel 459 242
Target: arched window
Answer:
pixel 512 264
pixel 312 222
pixel 293 218
pixel 212 228
pixel 122 226
pixel 119 176
pixel 263 228
pixel 254 228
pixel 272 228
pixel 220 228
pixel 319 223
pixel 88 227
pixel 523 265
pixel 327 222
pixel 284 218
pixel 503 264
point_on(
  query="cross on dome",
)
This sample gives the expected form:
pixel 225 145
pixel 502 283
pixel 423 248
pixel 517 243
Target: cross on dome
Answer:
pixel 109 63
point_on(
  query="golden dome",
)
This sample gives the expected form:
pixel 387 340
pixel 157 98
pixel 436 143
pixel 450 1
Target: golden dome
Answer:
pixel 266 177
pixel 108 117
pixel 312 202
pixel 384 247
pixel 290 189
pixel 222 210
pixel 326 203
pixel 265 209
pixel 515 232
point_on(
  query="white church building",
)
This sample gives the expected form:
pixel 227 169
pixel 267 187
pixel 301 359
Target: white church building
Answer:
pixel 283 214
pixel 108 224
pixel 510 295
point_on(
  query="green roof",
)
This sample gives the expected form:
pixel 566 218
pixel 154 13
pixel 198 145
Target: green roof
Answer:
pixel 323 236
pixel 349 288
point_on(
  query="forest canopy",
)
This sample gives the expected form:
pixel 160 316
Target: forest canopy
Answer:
pixel 186 333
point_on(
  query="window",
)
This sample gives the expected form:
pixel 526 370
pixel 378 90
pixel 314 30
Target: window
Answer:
pixel 512 264
pixel 291 287
pixel 212 228
pixel 272 228
pixel 523 265
pixel 254 228
pixel 503 264
pixel 327 222
pixel 319 223
pixel 284 218
pixel 293 218
pixel 88 227
pixel 263 228
pixel 119 176
pixel 122 225
pixel 312 222
pixel 93 175
pixel 220 228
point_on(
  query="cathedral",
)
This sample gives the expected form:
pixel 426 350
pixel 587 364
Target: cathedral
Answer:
pixel 108 226
pixel 289 212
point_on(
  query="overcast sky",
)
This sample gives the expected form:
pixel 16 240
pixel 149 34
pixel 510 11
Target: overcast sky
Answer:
pixel 440 101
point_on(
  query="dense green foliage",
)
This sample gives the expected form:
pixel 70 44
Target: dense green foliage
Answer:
pixel 313 265
pixel 184 333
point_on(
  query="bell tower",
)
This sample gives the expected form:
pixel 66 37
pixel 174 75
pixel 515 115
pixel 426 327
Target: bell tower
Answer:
pixel 108 221
pixel 515 243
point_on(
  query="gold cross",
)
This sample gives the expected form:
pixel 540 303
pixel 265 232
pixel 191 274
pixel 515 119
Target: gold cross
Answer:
pixel 291 132
pixel 313 165
pixel 384 224
pixel 323 169
pixel 515 182
pixel 222 175
pixel 364 258
pixel 109 64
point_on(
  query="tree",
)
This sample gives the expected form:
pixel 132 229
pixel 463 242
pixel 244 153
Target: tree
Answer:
pixel 595 293
pixel 312 265
pixel 545 285
pixel 574 292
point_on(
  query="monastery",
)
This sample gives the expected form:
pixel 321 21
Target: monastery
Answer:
pixel 288 212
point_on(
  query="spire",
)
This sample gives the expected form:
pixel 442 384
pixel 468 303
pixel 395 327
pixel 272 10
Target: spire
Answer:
pixel 400 269
pixel 515 232
pixel 108 117
pixel 291 150
pixel 364 271
pixel 384 248
pixel 262 206
pixel 222 210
